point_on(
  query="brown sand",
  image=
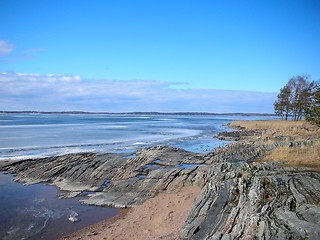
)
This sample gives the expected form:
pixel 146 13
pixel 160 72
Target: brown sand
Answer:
pixel 161 217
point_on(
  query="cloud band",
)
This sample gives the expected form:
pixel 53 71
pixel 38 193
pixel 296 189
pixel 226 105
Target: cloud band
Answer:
pixel 20 91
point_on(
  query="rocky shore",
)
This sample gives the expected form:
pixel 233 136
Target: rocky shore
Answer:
pixel 239 198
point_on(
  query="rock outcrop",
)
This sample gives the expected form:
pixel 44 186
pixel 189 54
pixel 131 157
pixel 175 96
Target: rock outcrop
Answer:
pixel 256 201
pixel 243 152
pixel 240 199
pixel 111 179
pixel 239 135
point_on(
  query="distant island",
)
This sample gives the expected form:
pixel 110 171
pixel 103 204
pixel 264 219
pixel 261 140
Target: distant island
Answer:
pixel 143 113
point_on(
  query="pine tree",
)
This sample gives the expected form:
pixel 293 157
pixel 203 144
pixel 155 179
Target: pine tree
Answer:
pixel 282 105
pixel 313 108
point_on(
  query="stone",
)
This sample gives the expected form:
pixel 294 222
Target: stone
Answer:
pixel 240 199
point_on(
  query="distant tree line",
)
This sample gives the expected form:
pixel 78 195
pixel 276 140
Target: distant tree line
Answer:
pixel 299 99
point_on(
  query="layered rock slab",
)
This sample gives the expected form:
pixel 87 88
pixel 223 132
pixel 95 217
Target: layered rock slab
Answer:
pixel 111 179
pixel 256 201
pixel 239 199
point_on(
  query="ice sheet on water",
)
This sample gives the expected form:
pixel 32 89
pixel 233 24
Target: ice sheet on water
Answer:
pixel 73 214
pixel 13 230
pixel 38 200
pixel 60 134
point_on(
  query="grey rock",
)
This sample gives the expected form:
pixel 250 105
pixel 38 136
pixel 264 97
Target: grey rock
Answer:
pixel 260 200
pixel 112 179
pixel 240 199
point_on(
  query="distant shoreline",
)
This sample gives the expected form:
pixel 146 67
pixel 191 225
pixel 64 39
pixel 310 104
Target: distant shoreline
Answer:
pixel 141 113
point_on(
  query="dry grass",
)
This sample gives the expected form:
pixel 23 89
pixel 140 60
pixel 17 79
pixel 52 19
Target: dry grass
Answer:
pixel 296 157
pixel 299 130
pixel 274 124
pixel 291 131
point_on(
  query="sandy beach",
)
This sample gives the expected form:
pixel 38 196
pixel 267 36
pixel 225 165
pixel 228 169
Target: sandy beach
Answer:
pixel 161 217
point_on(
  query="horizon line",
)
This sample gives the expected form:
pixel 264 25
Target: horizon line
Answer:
pixel 137 112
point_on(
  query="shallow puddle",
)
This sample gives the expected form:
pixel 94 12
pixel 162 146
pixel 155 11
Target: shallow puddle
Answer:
pixel 34 212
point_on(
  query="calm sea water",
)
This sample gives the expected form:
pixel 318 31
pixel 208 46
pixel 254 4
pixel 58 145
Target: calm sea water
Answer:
pixel 33 212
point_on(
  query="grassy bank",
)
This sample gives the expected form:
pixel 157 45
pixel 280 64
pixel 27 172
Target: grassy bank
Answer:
pixel 273 130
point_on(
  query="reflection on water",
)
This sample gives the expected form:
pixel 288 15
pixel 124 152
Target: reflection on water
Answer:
pixel 33 212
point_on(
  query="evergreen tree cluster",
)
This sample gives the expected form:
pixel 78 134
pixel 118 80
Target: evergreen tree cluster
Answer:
pixel 312 110
pixel 299 98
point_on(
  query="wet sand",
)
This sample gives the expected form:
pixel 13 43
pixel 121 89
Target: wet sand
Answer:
pixel 161 217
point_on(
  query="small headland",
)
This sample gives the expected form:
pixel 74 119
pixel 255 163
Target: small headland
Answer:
pixel 243 190
pixel 250 195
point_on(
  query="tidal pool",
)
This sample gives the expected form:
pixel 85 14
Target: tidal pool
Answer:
pixel 34 212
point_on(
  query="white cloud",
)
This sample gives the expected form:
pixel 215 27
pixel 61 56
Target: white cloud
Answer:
pixel 21 91
pixel 5 48
pixel 33 50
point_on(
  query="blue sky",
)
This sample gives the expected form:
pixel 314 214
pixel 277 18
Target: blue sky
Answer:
pixel 213 56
